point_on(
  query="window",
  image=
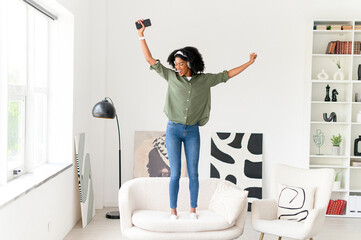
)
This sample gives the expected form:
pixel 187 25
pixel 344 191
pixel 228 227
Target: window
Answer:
pixel 27 87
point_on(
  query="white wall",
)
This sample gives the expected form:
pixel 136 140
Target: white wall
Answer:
pixel 57 201
pixel 47 212
pixel 90 81
pixel 269 97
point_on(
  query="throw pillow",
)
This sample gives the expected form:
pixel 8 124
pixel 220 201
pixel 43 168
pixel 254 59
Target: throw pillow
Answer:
pixel 295 203
pixel 228 201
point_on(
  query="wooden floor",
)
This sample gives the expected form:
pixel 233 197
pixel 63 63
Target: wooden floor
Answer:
pixel 101 228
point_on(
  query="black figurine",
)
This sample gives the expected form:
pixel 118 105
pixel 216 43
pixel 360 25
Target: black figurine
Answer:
pixel 334 95
pixel 359 72
pixel 332 118
pixel 327 98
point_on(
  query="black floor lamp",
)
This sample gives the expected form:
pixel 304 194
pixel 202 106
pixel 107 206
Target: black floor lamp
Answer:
pixel 105 109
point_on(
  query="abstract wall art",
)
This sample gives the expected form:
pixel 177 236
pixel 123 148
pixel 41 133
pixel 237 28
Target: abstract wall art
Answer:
pixel 237 157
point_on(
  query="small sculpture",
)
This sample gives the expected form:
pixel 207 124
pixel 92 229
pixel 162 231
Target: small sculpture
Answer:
pixel 327 98
pixel 332 118
pixel 322 75
pixel 334 95
pixel 319 139
pixel 359 72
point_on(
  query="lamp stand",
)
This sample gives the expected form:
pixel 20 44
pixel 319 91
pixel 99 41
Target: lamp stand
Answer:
pixel 115 214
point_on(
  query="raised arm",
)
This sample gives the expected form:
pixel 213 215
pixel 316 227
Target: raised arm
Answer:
pixel 235 71
pixel 144 46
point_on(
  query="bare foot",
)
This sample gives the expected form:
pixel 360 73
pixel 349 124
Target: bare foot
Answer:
pixel 173 211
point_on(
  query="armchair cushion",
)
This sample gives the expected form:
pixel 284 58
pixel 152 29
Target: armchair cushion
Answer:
pixel 295 203
pixel 228 201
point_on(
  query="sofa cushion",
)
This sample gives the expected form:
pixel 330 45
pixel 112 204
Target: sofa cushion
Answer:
pixel 159 221
pixel 294 203
pixel 228 201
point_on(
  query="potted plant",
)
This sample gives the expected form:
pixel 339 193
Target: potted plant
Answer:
pixel 336 141
pixel 337 182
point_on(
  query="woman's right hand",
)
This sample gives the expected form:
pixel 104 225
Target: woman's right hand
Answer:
pixel 141 30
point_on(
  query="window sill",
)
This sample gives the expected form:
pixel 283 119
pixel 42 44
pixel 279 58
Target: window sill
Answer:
pixel 27 182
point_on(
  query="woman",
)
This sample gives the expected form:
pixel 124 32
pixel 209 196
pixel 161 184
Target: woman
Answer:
pixel 187 107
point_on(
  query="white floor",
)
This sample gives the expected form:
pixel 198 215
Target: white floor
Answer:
pixel 101 228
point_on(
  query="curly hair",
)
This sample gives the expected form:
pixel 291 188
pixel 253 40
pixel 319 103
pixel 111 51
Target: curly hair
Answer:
pixel 191 55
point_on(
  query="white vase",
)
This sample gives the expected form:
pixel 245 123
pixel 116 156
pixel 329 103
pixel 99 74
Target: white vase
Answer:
pixel 336 185
pixel 339 75
pixel 336 150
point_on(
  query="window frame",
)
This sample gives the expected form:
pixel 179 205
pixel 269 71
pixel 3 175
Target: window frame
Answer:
pixel 28 94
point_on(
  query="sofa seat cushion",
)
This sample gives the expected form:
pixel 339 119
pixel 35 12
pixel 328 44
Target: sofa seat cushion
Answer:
pixel 159 221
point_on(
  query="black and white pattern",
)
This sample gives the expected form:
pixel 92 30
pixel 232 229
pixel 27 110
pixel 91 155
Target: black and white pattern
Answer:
pixel 294 203
pixel 159 144
pixel 85 181
pixel 237 157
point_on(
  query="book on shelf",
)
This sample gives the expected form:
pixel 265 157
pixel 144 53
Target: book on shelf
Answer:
pixel 357 47
pixel 346 27
pixel 339 47
pixel 320 27
pixel 335 27
pixel 336 207
pixel 358 27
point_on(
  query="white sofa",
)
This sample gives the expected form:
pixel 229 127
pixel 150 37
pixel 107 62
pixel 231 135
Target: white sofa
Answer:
pixel 144 212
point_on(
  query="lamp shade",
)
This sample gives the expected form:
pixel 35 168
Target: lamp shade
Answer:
pixel 104 109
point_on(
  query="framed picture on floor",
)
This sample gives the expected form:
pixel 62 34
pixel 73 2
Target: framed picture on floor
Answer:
pixel 85 180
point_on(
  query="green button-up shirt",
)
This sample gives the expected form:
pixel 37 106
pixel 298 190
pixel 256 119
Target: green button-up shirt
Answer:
pixel 188 101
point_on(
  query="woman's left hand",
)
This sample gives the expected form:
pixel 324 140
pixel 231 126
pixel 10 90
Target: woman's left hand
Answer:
pixel 252 58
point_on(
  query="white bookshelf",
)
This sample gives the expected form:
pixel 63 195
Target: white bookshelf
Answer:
pixel 345 108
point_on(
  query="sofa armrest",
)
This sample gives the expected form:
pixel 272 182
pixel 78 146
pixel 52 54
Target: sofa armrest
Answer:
pixel 314 221
pixel 126 207
pixel 265 209
pixel 241 220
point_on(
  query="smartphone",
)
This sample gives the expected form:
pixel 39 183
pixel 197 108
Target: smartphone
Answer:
pixel 146 23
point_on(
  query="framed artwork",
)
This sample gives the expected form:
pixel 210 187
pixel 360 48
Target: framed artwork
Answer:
pixel 151 157
pixel 237 157
pixel 85 180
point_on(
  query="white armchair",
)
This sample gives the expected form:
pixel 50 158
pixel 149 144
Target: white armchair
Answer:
pixel 264 212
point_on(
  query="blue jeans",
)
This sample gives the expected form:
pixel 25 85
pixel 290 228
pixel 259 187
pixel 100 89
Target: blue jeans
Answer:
pixel 189 135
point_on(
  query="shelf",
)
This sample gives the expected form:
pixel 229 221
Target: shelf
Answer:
pixel 333 31
pixel 346 108
pixel 355 190
pixel 341 190
pixel 337 216
pixel 323 102
pixel 330 123
pixel 331 55
pixel 328 166
pixel 328 156
pixel 332 81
